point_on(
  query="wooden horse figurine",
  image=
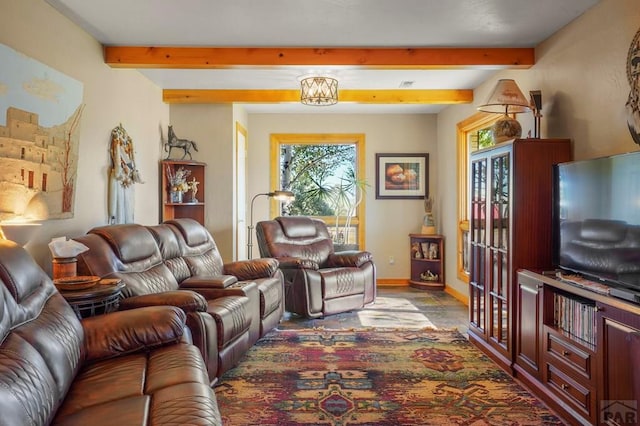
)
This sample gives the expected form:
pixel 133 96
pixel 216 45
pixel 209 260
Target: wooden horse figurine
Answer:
pixel 174 142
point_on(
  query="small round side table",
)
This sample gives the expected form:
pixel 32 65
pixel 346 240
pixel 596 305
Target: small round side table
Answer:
pixel 100 299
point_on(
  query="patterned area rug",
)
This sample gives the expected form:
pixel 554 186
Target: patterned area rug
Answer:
pixel 372 377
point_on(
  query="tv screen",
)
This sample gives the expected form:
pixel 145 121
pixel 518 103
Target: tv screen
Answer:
pixel 597 219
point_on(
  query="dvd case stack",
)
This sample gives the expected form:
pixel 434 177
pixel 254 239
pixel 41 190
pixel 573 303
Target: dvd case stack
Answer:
pixel 576 317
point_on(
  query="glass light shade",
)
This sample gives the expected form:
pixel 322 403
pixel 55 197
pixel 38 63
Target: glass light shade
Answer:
pixel 283 195
pixel 319 91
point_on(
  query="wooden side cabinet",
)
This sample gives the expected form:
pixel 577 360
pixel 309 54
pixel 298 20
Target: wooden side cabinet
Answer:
pixel 187 207
pixel 578 350
pixel 529 327
pixel 619 381
pixel 427 261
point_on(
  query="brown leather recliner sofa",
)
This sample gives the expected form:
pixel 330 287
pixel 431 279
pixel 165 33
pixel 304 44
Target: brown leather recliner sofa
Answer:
pixel 177 263
pixel 318 281
pixel 135 367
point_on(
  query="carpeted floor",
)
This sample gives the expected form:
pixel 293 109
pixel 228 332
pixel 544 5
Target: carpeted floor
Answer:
pixel 372 377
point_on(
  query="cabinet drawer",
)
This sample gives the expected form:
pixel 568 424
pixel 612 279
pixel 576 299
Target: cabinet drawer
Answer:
pixel 581 397
pixel 574 357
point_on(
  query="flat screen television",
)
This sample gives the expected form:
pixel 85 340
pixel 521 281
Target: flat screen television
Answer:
pixel 597 219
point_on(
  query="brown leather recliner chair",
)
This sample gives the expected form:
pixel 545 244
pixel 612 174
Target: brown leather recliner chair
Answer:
pixel 318 281
pixel 220 324
pixel 135 367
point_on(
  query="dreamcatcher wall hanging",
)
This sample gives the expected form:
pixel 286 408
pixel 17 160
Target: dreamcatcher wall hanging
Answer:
pixel 122 175
pixel 633 75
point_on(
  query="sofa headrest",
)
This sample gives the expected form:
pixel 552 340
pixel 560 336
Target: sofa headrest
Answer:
pixel 167 241
pixel 192 231
pixel 24 287
pixel 298 226
pixel 19 273
pixel 131 242
pixel 603 230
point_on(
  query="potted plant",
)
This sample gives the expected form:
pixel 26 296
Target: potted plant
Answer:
pixel 344 198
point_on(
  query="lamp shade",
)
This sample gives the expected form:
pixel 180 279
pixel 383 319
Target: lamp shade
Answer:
pixel 319 91
pixel 18 232
pixel 283 195
pixel 506 98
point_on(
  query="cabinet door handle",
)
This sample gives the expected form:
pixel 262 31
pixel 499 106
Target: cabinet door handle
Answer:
pixel 599 309
pixel 566 353
pixel 564 386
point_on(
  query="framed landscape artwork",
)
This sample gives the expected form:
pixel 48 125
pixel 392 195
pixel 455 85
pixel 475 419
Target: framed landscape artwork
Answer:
pixel 402 176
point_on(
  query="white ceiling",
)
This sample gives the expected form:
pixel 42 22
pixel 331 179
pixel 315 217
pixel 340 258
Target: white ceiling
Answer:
pixel 322 23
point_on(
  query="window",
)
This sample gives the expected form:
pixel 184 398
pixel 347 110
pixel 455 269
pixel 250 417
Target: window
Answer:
pixel 473 134
pixel 325 172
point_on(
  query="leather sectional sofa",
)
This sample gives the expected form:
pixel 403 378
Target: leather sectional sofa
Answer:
pixel 136 367
pixel 228 306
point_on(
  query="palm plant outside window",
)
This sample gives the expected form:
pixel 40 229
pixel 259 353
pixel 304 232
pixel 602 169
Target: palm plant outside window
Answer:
pixel 324 177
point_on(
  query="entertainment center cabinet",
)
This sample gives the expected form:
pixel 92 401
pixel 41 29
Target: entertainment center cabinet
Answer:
pixel 568 339
pixel 578 350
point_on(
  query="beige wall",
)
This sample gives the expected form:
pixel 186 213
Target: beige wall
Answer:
pixel 211 127
pixel 388 222
pixel 111 97
pixel 581 71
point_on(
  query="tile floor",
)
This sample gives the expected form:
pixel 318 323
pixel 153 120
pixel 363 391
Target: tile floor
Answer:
pixel 395 307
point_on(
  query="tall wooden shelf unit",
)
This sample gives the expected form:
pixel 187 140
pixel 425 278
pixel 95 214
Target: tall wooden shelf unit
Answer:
pixel 510 228
pixel 430 258
pixel 186 209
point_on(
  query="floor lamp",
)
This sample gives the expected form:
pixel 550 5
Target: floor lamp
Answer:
pixel 278 195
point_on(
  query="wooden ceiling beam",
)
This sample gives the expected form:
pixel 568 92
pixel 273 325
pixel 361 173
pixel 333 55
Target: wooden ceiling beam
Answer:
pixel 361 58
pixel 398 96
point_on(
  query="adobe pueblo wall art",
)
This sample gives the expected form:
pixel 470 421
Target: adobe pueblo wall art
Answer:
pixel 40 110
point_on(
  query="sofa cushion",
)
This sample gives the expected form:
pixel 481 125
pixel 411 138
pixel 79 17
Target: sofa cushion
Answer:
pixel 194 234
pixel 340 282
pixel 298 227
pixel 171 251
pixel 134 382
pixel 131 242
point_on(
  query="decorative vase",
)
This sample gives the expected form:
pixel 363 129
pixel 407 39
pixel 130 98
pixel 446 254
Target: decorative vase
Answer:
pixel 176 196
pixel 506 128
pixel 428 221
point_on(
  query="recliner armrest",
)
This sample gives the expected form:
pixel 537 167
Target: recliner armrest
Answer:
pixel 121 333
pixel 252 269
pixel 297 263
pixel 349 259
pixel 208 281
pixel 188 301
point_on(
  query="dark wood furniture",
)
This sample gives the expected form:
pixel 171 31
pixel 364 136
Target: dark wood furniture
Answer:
pixel 427 255
pixel 509 229
pixel 579 350
pixel 169 209
pixel 100 299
